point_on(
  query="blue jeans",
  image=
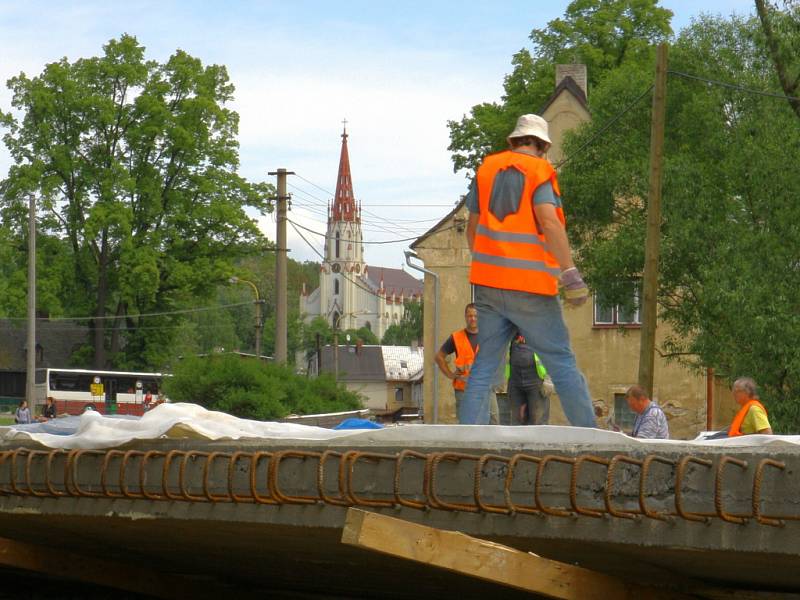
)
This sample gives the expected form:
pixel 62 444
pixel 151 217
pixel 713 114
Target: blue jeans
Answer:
pixel 500 314
pixel 494 413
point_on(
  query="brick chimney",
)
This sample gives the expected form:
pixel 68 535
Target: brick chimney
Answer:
pixel 578 74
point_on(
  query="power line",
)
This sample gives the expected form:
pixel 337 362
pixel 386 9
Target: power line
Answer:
pixel 327 262
pixel 317 252
pixel 319 201
pixel 733 86
pixel 605 127
pixel 389 221
pixel 110 317
pixel 330 237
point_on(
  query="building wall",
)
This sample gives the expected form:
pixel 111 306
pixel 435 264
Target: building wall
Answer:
pixel 373 392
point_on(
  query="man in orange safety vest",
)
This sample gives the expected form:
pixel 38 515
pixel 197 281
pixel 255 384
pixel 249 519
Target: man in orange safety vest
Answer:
pixel 520 258
pixel 464 344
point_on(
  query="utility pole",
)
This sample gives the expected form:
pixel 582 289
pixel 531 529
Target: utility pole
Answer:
pixel 653 239
pixel 281 312
pixel 30 368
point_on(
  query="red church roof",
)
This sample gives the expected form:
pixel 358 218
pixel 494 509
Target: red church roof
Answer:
pixel 344 203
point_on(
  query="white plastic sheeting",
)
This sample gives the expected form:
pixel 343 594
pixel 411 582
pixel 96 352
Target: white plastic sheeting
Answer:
pixel 190 421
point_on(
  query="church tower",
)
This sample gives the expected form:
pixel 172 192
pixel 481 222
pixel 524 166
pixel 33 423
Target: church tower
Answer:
pixel 344 251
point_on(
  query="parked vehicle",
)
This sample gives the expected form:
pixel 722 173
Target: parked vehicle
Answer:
pixel 108 392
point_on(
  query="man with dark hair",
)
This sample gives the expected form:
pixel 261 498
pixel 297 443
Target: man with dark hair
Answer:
pixel 651 422
pixel 464 344
pixel 520 257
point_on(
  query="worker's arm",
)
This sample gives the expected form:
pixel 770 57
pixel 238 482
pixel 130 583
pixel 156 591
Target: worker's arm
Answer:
pixel 555 234
pixel 441 360
pixel 472 226
pixel 765 431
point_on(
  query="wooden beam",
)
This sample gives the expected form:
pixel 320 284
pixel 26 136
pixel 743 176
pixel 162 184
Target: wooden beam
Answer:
pixel 458 552
pixel 132 577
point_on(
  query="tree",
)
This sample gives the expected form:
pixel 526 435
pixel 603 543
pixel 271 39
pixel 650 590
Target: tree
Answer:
pixel 409 330
pixel 251 389
pixel 603 34
pixel 781 31
pixel 134 167
pixel 730 245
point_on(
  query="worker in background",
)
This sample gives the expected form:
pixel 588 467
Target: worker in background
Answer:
pixel 651 422
pixel 464 344
pixel 530 404
pixel 752 416
pixel 520 258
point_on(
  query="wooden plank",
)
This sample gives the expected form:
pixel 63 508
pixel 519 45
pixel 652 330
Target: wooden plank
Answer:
pixel 132 577
pixel 458 552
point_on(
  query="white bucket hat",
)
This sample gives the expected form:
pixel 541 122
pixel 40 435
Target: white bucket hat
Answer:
pixel 531 125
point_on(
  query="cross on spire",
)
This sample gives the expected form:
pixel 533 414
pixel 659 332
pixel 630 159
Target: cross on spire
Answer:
pixel 344 126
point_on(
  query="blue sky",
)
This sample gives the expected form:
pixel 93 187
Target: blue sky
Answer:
pixel 397 71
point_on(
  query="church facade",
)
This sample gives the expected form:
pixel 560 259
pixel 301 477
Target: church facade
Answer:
pixel 352 294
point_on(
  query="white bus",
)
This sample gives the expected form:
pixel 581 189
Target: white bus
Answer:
pixel 108 392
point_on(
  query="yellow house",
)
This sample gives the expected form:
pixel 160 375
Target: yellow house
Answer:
pixel 605 339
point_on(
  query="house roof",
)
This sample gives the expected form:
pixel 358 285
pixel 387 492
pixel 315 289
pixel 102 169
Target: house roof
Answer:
pixel 364 365
pixel 567 84
pixel 394 280
pixel 403 363
pixel 438 225
pixel 375 363
pixel 58 339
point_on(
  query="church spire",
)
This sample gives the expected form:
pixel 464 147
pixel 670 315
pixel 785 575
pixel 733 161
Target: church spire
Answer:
pixel 344 204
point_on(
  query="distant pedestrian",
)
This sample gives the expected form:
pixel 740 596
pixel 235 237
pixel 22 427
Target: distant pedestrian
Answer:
pixel 651 422
pixel 22 415
pixel 50 409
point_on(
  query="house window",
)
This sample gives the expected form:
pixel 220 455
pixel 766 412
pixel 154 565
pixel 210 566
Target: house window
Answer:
pixel 337 244
pixel 336 286
pixel 398 395
pixel 606 313
pixel 624 417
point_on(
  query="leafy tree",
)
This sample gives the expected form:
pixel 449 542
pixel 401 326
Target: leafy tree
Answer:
pixel 255 390
pixel 133 164
pixel 409 329
pixel 781 30
pixel 730 245
pixel 603 34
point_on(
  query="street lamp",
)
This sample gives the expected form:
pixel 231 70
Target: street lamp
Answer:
pixel 258 303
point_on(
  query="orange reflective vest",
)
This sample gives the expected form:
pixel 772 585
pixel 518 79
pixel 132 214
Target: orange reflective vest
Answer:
pixel 511 254
pixel 736 424
pixel 465 356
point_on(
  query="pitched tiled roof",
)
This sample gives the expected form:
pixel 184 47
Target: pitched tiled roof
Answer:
pixel 394 281
pixel 364 365
pixel 58 339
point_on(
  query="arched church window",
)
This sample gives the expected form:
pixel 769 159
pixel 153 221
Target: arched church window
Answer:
pixel 336 286
pixel 337 244
pixel 368 325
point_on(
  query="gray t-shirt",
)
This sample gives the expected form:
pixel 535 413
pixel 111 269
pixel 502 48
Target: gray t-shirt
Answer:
pixel 651 424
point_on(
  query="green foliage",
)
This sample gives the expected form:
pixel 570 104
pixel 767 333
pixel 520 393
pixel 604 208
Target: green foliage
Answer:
pixel 133 164
pixel 730 241
pixel 603 34
pixel 409 329
pixel 255 390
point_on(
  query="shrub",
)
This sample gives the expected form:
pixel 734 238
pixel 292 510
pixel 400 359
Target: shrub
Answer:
pixel 250 389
